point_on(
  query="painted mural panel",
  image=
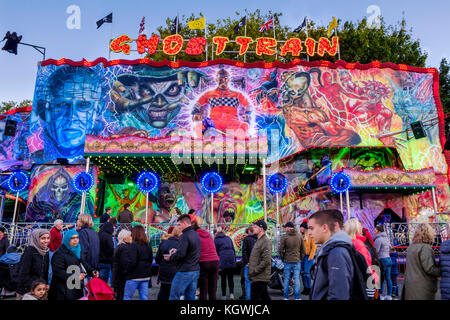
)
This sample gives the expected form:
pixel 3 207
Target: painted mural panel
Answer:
pixel 14 149
pixel 235 203
pixel 52 195
pixel 298 107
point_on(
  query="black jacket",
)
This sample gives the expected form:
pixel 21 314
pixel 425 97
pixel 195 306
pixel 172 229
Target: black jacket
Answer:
pixel 119 260
pixel 4 244
pixel 104 218
pixel 61 260
pixel 90 246
pixel 187 257
pixel 167 269
pixel 138 261
pixel 247 246
pixel 33 266
pixel 106 243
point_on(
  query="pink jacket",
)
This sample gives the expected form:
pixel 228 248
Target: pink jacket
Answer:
pixel 361 248
pixel 208 248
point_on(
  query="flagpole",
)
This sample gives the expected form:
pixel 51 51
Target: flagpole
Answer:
pixel 176 28
pixel 206 38
pixel 306 19
pixel 276 55
pixel 110 39
pixel 245 35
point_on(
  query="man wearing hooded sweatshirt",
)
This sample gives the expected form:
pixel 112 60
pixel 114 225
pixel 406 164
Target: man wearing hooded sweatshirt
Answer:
pixel 106 250
pixel 333 273
pixel 291 251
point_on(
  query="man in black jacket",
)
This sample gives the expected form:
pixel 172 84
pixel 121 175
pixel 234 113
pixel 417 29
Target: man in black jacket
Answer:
pixel 247 246
pixel 187 258
pixel 106 250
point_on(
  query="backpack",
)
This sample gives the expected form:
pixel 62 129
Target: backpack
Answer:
pixel 360 275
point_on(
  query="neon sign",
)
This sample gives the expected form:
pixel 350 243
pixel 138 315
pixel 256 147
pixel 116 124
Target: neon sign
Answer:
pixel 173 45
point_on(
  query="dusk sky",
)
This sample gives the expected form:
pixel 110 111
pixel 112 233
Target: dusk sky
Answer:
pixel 43 23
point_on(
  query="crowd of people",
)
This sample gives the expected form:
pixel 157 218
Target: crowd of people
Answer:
pixel 332 259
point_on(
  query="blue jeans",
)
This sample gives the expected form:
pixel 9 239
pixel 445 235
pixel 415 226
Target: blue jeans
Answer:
pixel 289 268
pixel 131 286
pixel 50 272
pixel 247 284
pixel 104 269
pixel 184 284
pixel 306 271
pixel 387 265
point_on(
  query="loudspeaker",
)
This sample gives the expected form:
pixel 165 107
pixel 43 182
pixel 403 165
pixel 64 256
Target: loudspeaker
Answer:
pixel 417 129
pixel 10 128
pixel 63 161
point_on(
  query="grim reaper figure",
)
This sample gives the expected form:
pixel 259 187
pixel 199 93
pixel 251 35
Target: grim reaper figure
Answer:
pixel 57 198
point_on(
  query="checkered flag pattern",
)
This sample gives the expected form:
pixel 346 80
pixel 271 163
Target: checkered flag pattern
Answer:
pixel 224 101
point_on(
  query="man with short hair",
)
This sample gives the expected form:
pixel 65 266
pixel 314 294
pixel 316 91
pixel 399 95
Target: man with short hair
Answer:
pixel 187 259
pixel 247 245
pixel 126 217
pixel 334 272
pixel 105 217
pixel 260 263
pixel 291 251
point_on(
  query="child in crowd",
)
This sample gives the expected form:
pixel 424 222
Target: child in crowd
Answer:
pixel 38 291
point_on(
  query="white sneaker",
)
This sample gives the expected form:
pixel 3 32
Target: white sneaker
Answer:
pixel 231 296
pixel 298 299
pixel 286 299
pixel 387 298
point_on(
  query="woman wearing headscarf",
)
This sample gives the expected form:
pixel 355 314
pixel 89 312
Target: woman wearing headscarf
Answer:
pixel 69 269
pixel 34 261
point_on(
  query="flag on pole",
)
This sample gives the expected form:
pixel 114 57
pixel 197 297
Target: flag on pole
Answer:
pixel 241 23
pixel 333 25
pixel 197 24
pixel 142 25
pixel 268 25
pixel 300 27
pixel 175 26
pixel 107 19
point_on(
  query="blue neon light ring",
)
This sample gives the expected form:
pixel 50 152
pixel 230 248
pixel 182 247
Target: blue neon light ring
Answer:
pixel 277 183
pixel 18 181
pixel 147 182
pixel 340 182
pixel 215 179
pixel 88 182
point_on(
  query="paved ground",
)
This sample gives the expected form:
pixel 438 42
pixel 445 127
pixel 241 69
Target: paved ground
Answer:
pixel 274 294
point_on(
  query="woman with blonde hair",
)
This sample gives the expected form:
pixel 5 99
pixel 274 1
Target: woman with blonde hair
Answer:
pixel 89 240
pixel 354 229
pixel 422 272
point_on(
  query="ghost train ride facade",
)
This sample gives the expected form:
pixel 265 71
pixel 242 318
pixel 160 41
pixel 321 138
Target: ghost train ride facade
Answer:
pixel 305 120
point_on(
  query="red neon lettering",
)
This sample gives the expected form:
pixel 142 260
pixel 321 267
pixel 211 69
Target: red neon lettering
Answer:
pixel 150 45
pixel 221 44
pixel 293 45
pixel 196 46
pixel 244 43
pixel 119 44
pixel 172 44
pixel 263 46
pixel 324 45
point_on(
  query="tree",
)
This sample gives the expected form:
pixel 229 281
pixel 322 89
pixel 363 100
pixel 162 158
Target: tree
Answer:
pixel 358 42
pixel 444 89
pixel 9 105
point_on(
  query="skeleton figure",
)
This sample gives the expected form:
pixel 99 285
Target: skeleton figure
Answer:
pixel 59 188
